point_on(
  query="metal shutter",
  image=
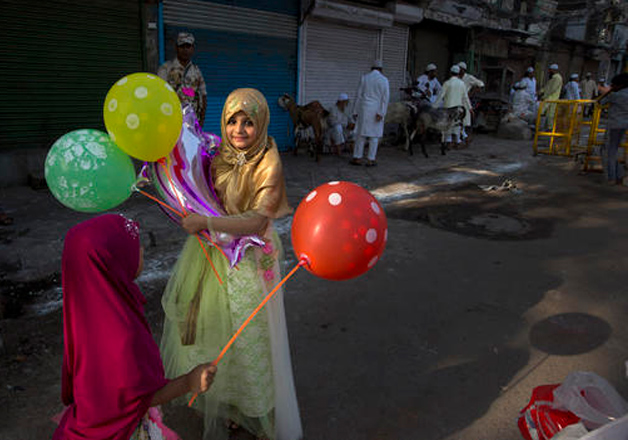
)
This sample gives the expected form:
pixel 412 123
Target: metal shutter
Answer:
pixel 395 52
pixel 239 47
pixel 58 60
pixel 335 56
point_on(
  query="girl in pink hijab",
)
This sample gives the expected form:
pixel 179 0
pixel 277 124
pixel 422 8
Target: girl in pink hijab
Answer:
pixel 112 371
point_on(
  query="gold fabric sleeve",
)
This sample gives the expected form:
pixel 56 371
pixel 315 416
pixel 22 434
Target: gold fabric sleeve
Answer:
pixel 249 223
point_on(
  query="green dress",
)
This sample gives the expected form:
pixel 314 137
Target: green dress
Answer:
pixel 253 386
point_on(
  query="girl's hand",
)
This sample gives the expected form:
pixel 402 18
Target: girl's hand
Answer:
pixel 201 378
pixel 194 223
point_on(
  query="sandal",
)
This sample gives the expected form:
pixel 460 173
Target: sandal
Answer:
pixel 371 163
pixel 355 161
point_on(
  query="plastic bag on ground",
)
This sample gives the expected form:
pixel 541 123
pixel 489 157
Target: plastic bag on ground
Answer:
pixel 572 432
pixel 617 430
pixel 591 398
pixel 540 420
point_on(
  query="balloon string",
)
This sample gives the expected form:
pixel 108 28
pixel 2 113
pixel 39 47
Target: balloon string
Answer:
pixel 206 235
pixel 196 235
pixel 208 259
pixel 174 190
pixel 155 199
pixel 301 262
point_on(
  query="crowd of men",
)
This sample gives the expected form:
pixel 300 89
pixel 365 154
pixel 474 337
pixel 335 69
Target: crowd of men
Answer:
pixel 363 122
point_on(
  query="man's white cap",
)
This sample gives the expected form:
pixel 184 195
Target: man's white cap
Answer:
pixel 601 80
pixel 553 67
pixel 455 69
pixel 530 69
pixel 462 65
pixel 343 97
pixel 185 38
pixel 430 67
pixel 377 64
pixel 574 76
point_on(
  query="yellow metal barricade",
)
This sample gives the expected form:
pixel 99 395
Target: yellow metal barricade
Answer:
pixel 582 127
pixel 597 138
pixel 561 115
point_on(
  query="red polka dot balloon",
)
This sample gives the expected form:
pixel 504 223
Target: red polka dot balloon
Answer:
pixel 340 229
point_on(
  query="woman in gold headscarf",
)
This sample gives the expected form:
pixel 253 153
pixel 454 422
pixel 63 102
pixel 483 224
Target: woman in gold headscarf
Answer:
pixel 254 389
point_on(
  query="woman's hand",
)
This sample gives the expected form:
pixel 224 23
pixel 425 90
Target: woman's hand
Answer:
pixel 201 378
pixel 194 223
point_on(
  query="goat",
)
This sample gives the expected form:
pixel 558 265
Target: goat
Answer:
pixel 312 115
pixel 439 119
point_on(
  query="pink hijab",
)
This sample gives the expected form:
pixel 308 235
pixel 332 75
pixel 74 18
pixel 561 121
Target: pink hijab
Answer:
pixel 111 364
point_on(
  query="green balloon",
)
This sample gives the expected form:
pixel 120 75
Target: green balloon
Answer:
pixel 87 172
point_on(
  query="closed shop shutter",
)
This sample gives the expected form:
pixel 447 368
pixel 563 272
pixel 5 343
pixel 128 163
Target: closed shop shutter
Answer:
pixel 58 60
pixel 335 58
pixel 239 47
pixel 395 55
pixel 337 55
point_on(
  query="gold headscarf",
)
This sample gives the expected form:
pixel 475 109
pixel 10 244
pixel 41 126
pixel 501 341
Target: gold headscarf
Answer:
pixel 251 179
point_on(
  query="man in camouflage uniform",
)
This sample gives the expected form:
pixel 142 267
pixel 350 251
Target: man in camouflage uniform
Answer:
pixel 185 77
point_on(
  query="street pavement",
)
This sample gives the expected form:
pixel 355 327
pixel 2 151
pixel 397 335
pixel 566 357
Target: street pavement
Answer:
pixel 503 271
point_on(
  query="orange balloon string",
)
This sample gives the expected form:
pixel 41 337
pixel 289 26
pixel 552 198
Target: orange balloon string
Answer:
pixel 208 259
pixel 206 235
pixel 174 190
pixel 301 262
pixel 155 199
pixel 197 236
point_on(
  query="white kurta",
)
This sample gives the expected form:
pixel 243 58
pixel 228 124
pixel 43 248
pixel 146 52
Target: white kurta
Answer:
pixel 588 87
pixel 530 84
pixel 454 94
pixel 337 123
pixel 471 81
pixel 523 105
pixel 429 87
pixel 572 90
pixel 372 99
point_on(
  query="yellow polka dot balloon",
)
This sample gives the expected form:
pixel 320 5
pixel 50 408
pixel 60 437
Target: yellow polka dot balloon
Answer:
pixel 143 116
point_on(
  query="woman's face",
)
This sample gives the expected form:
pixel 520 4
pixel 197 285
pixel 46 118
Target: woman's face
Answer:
pixel 241 131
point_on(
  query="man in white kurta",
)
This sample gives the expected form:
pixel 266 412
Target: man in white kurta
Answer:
pixel 470 81
pixel 523 105
pixel 427 85
pixel 369 109
pixel 530 82
pixel 588 89
pixel 472 84
pixel 453 94
pixel 572 88
pixel 340 124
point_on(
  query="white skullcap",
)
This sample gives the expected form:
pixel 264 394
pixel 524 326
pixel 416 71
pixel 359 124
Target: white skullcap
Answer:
pixel 574 76
pixel 462 65
pixel 455 69
pixel 553 66
pixel 430 66
pixel 378 64
pixel 530 69
pixel 601 80
pixel 343 97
